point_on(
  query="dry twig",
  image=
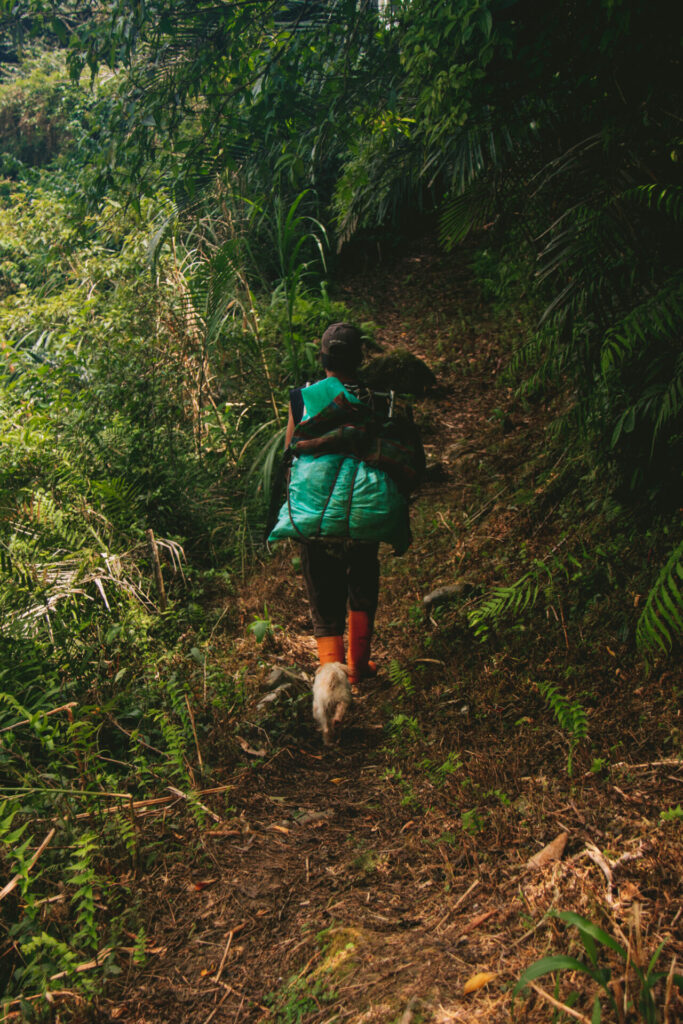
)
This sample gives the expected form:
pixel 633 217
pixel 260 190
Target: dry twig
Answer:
pixel 27 721
pixel 558 1005
pixel 185 796
pixel 14 882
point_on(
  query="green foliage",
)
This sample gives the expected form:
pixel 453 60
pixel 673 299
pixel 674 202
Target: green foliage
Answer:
pixel 298 998
pixel 401 678
pixel 509 600
pixel 457 107
pixel 570 715
pixel 472 821
pixel 201 89
pixel 409 797
pixel 438 773
pixel 142 387
pixel 41 113
pixel 403 728
pixel 261 628
pixel 644 985
pixel 162 242
pixel 661 622
pixel 83 879
pixel 483 126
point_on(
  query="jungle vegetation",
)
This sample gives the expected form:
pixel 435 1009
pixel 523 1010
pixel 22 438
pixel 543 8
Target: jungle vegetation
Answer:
pixel 180 182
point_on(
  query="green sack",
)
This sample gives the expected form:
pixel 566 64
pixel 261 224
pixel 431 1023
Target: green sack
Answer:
pixel 337 495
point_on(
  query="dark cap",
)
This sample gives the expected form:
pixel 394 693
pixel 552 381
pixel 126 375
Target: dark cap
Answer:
pixel 342 342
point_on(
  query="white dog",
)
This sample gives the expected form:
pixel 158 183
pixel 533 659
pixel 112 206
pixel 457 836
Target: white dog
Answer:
pixel 331 699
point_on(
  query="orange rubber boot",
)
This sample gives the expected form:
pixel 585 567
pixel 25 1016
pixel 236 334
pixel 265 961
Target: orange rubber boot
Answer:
pixel 330 648
pixel 360 634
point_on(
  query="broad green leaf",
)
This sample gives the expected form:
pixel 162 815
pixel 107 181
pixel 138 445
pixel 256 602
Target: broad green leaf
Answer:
pixel 548 964
pixel 588 928
pixel 260 629
pixel 60 30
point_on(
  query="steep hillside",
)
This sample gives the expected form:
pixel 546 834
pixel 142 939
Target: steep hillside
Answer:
pixel 371 881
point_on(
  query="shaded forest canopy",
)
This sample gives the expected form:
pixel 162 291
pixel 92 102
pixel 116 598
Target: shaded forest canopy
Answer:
pixel 186 191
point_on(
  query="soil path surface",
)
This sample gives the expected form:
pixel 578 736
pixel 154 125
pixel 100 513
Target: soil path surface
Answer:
pixel 370 881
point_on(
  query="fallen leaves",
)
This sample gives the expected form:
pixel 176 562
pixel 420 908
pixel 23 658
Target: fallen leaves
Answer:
pixel 201 884
pixel 476 921
pixel 553 851
pixel 478 981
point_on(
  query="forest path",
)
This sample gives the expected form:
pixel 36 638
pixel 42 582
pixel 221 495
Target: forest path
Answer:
pixel 369 881
pixel 327 875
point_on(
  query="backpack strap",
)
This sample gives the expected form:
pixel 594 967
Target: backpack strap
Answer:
pixel 296 404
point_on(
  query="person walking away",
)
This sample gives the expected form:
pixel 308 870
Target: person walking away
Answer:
pixel 354 459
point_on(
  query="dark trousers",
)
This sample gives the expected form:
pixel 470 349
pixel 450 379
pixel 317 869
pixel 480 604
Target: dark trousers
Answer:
pixel 339 574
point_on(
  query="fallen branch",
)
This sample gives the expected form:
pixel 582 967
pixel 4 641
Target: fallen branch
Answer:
pixel 194 733
pixel 14 882
pixel 649 764
pixel 90 965
pixel 461 899
pixel 228 990
pixel 156 565
pixel 154 802
pixel 27 721
pixel 608 867
pixel 49 996
pixel 475 922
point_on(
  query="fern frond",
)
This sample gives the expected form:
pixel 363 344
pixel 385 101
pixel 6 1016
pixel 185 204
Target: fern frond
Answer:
pixel 570 715
pixel 515 599
pixel 661 622
pixel 400 677
pixel 83 878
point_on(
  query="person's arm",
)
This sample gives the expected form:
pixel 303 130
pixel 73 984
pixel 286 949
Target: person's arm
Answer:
pixel 289 433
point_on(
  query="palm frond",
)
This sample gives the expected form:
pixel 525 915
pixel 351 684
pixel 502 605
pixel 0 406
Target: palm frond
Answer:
pixel 666 199
pixel 660 405
pixel 465 212
pixel 658 318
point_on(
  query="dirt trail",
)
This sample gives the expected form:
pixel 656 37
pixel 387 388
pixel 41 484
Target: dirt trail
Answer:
pixel 370 881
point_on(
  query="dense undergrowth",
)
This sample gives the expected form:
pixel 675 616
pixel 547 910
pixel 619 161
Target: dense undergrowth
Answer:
pixel 153 311
pixel 141 392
